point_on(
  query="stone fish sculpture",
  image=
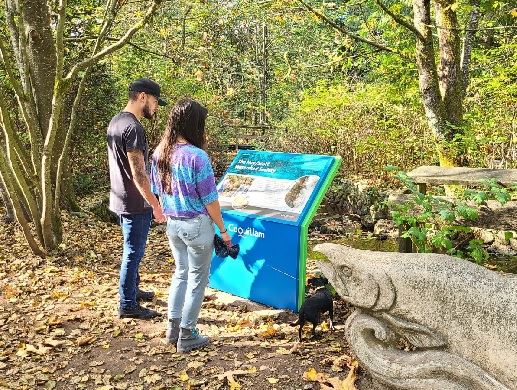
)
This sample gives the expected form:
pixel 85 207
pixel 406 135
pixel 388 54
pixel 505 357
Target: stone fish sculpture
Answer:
pixel 460 318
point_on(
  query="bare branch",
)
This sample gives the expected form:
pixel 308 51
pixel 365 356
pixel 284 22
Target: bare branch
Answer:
pixel 117 45
pixel 11 139
pixel 109 18
pixel 183 27
pixel 9 68
pixel 143 49
pixel 15 164
pixel 346 32
pixel 399 19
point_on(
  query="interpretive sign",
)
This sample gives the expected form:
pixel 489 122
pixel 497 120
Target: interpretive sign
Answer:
pixel 268 200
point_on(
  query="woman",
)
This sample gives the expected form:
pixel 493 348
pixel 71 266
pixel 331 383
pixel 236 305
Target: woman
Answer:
pixel 181 174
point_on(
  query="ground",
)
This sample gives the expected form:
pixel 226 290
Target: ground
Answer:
pixel 59 328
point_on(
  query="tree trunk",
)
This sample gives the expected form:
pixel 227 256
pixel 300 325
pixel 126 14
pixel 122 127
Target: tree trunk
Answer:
pixel 41 56
pixel 442 85
pixel 9 212
pixel 427 73
pixel 34 66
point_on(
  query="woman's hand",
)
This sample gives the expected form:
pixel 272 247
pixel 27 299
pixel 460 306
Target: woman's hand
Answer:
pixel 227 239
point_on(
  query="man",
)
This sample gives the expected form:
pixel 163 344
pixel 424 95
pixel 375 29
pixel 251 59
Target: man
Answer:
pixel 130 196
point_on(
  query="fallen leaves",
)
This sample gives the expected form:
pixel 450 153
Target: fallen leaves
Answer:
pixel 335 383
pixel 312 375
pixel 229 377
pixel 61 329
pixel 85 340
pixel 26 349
pixel 270 331
pixel 54 343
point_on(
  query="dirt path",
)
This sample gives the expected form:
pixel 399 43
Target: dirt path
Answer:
pixel 59 329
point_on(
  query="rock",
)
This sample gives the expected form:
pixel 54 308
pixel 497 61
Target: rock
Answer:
pixel 348 198
pixel 385 228
pixel 487 235
pixel 503 236
pixel 459 318
pixel 501 249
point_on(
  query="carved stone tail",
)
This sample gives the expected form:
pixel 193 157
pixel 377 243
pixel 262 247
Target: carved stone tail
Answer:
pixel 372 341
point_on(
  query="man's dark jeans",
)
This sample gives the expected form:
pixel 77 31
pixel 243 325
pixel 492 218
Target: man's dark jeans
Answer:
pixel 135 228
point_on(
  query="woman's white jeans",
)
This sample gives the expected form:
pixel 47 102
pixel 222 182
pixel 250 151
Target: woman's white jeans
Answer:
pixel 192 243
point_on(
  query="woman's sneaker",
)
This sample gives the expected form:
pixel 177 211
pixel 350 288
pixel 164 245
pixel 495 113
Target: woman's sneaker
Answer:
pixel 190 339
pixel 173 331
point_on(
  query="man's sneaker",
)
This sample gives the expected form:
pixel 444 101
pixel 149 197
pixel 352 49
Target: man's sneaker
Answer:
pixel 137 312
pixel 173 331
pixel 147 296
pixel 190 339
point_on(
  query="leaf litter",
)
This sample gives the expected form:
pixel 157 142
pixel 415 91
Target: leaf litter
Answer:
pixel 59 329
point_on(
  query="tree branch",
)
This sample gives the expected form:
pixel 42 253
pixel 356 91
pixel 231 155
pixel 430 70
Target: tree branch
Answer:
pixel 60 47
pixel 109 18
pixel 18 89
pixel 27 98
pixel 472 29
pixel 143 49
pixel 400 20
pixel 12 139
pixel 13 156
pixel 468 43
pixel 18 212
pixel 117 45
pixel 346 32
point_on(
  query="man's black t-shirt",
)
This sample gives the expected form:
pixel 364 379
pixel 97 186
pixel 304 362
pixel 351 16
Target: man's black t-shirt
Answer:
pixel 125 133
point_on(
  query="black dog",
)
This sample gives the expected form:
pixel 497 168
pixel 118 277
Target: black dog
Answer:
pixel 312 309
pixel 317 281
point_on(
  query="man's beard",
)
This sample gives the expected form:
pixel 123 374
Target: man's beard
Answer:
pixel 147 112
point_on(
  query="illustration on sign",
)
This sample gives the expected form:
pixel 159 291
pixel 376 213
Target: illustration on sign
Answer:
pixel 266 194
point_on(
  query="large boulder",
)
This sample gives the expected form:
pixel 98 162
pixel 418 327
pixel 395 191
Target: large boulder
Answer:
pixel 427 321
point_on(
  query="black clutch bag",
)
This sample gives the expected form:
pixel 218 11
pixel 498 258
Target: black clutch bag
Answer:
pixel 223 250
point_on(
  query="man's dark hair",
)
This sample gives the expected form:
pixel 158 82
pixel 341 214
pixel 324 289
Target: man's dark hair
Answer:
pixel 186 119
pixel 133 95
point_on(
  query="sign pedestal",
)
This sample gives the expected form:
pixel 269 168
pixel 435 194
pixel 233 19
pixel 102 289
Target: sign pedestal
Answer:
pixel 268 200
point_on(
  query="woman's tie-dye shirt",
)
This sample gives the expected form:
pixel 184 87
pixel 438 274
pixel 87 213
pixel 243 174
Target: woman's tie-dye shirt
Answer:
pixel 193 183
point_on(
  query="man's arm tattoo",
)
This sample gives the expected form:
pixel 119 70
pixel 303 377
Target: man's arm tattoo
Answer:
pixel 136 162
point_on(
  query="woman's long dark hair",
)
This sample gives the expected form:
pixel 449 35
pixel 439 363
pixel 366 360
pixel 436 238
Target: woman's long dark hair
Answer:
pixel 186 119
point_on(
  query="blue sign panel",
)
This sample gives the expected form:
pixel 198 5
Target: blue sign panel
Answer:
pixel 266 199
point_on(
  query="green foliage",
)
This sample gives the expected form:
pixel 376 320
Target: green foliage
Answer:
pixel 369 125
pixel 436 224
pixel 271 62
